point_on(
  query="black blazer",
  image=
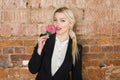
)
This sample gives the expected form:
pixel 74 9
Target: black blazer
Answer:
pixel 41 64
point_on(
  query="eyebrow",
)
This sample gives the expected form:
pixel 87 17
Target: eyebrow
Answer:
pixel 60 18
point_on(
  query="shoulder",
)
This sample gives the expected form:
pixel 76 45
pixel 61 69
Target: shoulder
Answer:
pixel 51 39
pixel 52 36
pixel 80 47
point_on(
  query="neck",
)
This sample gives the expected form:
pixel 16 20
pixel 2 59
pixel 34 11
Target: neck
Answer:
pixel 63 37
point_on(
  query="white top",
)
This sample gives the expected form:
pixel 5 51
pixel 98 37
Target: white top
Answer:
pixel 58 55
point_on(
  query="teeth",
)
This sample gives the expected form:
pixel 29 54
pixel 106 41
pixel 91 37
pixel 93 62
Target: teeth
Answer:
pixel 58 28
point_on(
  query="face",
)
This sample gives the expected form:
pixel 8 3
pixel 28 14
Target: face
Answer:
pixel 61 23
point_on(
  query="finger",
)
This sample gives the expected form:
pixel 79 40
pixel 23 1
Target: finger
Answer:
pixel 43 37
pixel 42 41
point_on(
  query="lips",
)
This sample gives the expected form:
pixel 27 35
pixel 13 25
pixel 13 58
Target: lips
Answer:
pixel 58 28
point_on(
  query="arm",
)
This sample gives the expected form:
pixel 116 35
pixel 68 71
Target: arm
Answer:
pixel 36 59
pixel 77 68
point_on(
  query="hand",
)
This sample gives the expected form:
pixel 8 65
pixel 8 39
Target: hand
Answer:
pixel 41 43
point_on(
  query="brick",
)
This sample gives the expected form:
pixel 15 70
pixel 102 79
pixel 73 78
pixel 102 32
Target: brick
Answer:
pixel 96 74
pixel 80 3
pixel 115 73
pixel 46 15
pixel 92 41
pixel 107 48
pixel 95 49
pixel 93 63
pixel 3 73
pixel 95 4
pixel 91 28
pixel 88 41
pixel 113 56
pixel 21 16
pixel 105 29
pixel 86 49
pixel 17 60
pixel 41 29
pixel 115 40
pixel 34 3
pixel 0 17
pixel 29 50
pixel 4 63
pixel 116 62
pixel 29 42
pixel 14 4
pixel 20 57
pixel 112 62
pixel 108 15
pixel 94 14
pixel 85 76
pixel 117 48
pixel 56 3
pixel 17 42
pixel 9 42
pixel 46 4
pixel 8 16
pixel 13 74
pixel 30 29
pixel 115 15
pixel 34 16
pixel 80 29
pixel 1 51
pixel 104 41
pixel 0 4
pixel 70 3
pixel 26 74
pixel 22 4
pixel 0 26
pixel 18 30
pixel 5 43
pixel 102 4
pixel 93 56
pixel 116 29
pixel 8 50
pixel 82 41
pixel 9 4
pixel 79 14
pixel 114 4
pixel 20 50
pixel 6 30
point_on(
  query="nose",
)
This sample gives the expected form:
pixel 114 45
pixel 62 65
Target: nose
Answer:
pixel 57 24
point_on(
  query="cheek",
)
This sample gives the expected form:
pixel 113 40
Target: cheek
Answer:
pixel 66 27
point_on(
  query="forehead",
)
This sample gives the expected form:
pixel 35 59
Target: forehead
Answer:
pixel 60 15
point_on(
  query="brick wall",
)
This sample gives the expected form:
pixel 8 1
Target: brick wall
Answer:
pixel 97 29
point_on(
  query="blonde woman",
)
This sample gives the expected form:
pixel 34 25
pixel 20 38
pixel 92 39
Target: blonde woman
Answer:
pixel 58 57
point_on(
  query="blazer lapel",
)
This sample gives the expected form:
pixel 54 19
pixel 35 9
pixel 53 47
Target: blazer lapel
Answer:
pixel 67 61
pixel 48 56
pixel 49 53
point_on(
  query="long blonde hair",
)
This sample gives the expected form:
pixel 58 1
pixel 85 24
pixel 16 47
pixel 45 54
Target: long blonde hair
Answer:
pixel 69 14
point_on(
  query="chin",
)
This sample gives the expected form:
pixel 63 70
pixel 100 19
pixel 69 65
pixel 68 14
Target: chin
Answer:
pixel 59 33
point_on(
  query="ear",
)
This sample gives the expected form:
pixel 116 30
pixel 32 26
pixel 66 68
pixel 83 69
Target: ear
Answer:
pixel 71 25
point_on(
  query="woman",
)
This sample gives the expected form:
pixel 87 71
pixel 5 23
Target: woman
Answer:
pixel 58 57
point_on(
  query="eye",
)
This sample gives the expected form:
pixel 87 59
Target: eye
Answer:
pixel 55 20
pixel 62 20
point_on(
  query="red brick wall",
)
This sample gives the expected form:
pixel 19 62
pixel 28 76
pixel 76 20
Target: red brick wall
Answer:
pixel 97 29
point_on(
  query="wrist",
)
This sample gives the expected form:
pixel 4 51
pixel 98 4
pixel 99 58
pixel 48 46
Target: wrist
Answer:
pixel 39 51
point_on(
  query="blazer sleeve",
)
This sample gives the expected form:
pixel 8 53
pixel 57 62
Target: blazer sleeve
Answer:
pixel 36 60
pixel 77 68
